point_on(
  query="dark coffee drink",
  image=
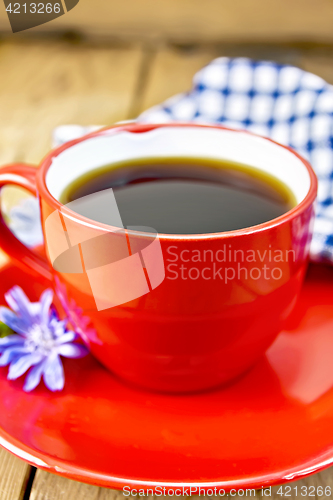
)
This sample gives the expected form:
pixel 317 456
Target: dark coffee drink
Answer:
pixel 187 195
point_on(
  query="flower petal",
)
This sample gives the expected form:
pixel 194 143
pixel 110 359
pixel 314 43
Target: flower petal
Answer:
pixel 11 340
pixel 35 310
pixel 19 302
pixel 54 377
pixel 66 337
pixel 61 293
pixel 89 335
pixel 57 327
pixel 54 313
pixel 34 377
pixel 45 301
pixel 11 354
pixel 84 321
pixel 72 350
pixel 11 300
pixel 17 324
pixel 22 364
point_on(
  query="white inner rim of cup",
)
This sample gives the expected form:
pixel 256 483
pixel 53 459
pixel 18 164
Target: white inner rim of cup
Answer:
pixel 195 142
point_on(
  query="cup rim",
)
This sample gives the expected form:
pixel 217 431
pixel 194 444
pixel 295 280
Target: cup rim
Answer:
pixel 136 127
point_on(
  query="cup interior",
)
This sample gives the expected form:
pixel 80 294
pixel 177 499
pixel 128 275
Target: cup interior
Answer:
pixel 112 146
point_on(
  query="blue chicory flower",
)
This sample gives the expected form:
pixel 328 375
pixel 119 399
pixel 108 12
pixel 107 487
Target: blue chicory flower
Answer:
pixel 40 339
pixel 74 314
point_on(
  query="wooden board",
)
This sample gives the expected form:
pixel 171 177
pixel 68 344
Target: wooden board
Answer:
pixel 171 72
pixel 14 474
pixel 319 63
pixel 43 85
pixel 50 487
pixel 198 20
pixel 172 68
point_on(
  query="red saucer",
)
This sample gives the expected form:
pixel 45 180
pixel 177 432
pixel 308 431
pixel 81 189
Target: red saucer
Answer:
pixel 273 425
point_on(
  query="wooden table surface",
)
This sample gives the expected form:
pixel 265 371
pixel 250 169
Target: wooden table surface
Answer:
pixel 52 81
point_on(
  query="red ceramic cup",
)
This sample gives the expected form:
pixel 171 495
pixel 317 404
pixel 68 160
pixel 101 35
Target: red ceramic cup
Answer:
pixel 172 312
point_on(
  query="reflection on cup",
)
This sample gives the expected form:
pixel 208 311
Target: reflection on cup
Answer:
pixel 121 264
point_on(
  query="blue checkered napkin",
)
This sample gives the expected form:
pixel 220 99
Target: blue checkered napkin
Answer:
pixel 285 103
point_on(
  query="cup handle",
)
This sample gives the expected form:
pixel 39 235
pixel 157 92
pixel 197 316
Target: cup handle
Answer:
pixel 22 175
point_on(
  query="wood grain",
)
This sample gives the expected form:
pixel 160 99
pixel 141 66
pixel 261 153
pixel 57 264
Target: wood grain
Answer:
pixel 171 72
pixel 212 20
pixel 173 67
pixel 46 84
pixel 319 63
pixel 14 475
pixel 50 487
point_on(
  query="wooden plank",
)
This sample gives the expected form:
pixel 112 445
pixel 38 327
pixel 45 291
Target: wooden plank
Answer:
pixel 184 20
pixel 46 84
pixel 172 72
pixel 50 487
pixel 14 475
pixel 172 68
pixel 319 63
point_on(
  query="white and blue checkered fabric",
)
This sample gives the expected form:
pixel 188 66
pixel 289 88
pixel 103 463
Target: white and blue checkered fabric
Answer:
pixel 289 105
pixel 285 103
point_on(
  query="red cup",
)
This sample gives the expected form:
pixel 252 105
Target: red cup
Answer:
pixel 171 312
